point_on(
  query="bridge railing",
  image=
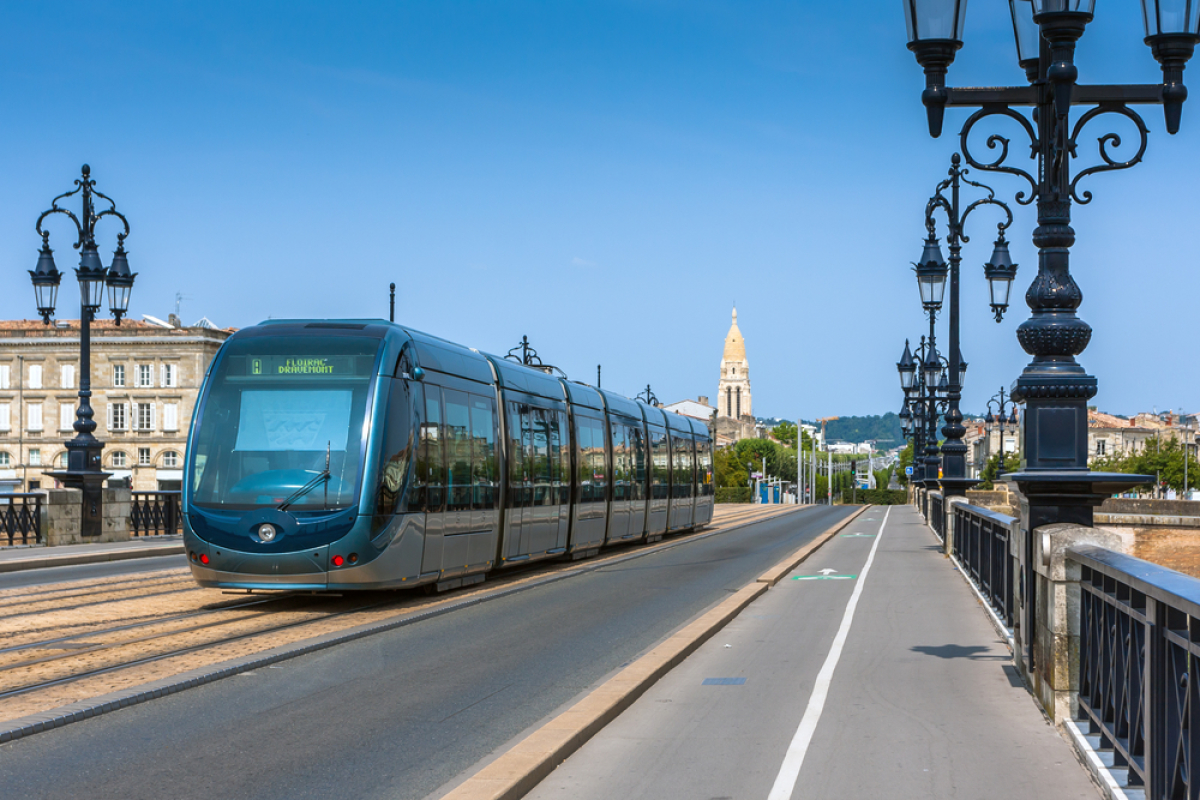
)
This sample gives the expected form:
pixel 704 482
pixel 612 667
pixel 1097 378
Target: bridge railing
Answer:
pixel 20 519
pixel 982 543
pixel 1139 651
pixel 937 516
pixel 155 514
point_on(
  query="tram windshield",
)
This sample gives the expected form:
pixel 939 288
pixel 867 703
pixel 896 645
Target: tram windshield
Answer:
pixel 277 413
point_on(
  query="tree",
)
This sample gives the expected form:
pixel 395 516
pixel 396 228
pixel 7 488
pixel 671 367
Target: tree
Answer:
pixel 785 433
pixel 1162 460
pixel 729 472
pixel 906 460
pixel 1012 463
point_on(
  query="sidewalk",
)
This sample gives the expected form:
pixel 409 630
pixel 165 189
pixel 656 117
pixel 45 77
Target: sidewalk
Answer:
pixel 881 677
pixel 17 558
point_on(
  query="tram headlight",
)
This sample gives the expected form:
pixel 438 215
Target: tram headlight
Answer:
pixel 266 532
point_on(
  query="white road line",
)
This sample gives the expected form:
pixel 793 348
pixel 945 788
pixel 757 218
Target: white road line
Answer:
pixel 789 773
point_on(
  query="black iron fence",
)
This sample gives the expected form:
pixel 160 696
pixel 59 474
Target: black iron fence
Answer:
pixel 1139 645
pixel 981 545
pixel 155 513
pixel 21 517
pixel 937 516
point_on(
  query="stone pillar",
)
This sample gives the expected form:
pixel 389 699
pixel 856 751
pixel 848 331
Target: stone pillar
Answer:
pixel 1054 644
pixel 62 512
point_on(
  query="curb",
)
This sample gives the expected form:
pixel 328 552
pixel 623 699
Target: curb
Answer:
pixel 521 768
pixel 19 564
pixel 95 706
pixel 1100 773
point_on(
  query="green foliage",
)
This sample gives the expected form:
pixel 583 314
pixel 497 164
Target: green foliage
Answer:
pixel 1160 459
pixel 729 472
pixel 1012 463
pixel 785 432
pixel 781 461
pixel 906 460
pixel 739 494
pixel 882 478
pixel 876 497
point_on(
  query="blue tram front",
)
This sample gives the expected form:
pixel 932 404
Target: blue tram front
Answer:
pixel 355 455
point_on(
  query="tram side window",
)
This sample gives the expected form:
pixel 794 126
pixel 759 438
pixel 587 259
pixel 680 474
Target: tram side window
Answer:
pixel 397 449
pixel 458 451
pixel 637 446
pixel 517 431
pixel 660 475
pixel 685 467
pixel 583 467
pixel 431 450
pixel 620 456
pixel 540 454
pixel 554 430
pixel 704 457
pixel 483 451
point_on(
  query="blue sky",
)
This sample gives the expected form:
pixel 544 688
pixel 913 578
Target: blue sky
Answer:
pixel 607 178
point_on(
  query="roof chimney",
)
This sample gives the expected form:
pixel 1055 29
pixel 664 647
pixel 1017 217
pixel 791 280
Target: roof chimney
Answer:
pixel 702 400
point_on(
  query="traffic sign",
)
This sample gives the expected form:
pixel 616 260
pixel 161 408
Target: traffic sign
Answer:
pixel 908 471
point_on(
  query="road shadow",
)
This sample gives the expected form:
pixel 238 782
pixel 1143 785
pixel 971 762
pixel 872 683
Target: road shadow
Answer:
pixel 973 652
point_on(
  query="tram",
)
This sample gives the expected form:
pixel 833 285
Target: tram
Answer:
pixel 339 455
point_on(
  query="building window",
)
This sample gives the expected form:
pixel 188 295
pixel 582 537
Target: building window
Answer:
pixel 5 460
pixel 144 376
pixel 35 457
pixel 118 459
pixel 66 376
pixel 170 375
pixel 170 459
pixel 170 416
pixel 118 374
pixel 5 417
pixel 1100 445
pixel 739 401
pixel 62 460
pixel 35 376
pixel 5 376
pixel 143 456
pixel 117 419
pixel 35 416
pixel 66 416
pixel 145 416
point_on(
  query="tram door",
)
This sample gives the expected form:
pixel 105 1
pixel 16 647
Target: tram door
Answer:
pixel 618 515
pixel 639 459
pixel 520 436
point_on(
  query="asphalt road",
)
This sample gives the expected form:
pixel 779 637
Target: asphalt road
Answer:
pixel 82 572
pixel 400 714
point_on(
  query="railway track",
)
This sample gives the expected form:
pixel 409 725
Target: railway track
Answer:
pixel 72 641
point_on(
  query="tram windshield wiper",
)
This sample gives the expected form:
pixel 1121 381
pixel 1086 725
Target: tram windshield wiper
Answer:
pixel 322 477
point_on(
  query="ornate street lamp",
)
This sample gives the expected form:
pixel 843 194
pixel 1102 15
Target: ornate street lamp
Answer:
pixel 947 198
pixel 997 418
pixel 907 368
pixel 84 451
pixel 931 273
pixel 1054 387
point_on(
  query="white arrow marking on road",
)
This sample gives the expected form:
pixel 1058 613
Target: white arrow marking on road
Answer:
pixel 827 571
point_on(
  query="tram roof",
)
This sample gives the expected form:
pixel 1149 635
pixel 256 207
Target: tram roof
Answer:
pixel 621 405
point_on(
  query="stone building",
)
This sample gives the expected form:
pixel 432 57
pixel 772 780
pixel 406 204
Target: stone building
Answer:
pixel 145 381
pixel 1110 435
pixel 735 417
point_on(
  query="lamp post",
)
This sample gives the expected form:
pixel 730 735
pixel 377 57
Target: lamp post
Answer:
pixel 647 397
pixel 1000 272
pixel 1054 387
pixel 84 451
pixel 997 417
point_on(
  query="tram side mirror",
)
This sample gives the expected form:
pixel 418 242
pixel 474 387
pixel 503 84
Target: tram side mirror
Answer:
pixel 418 374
